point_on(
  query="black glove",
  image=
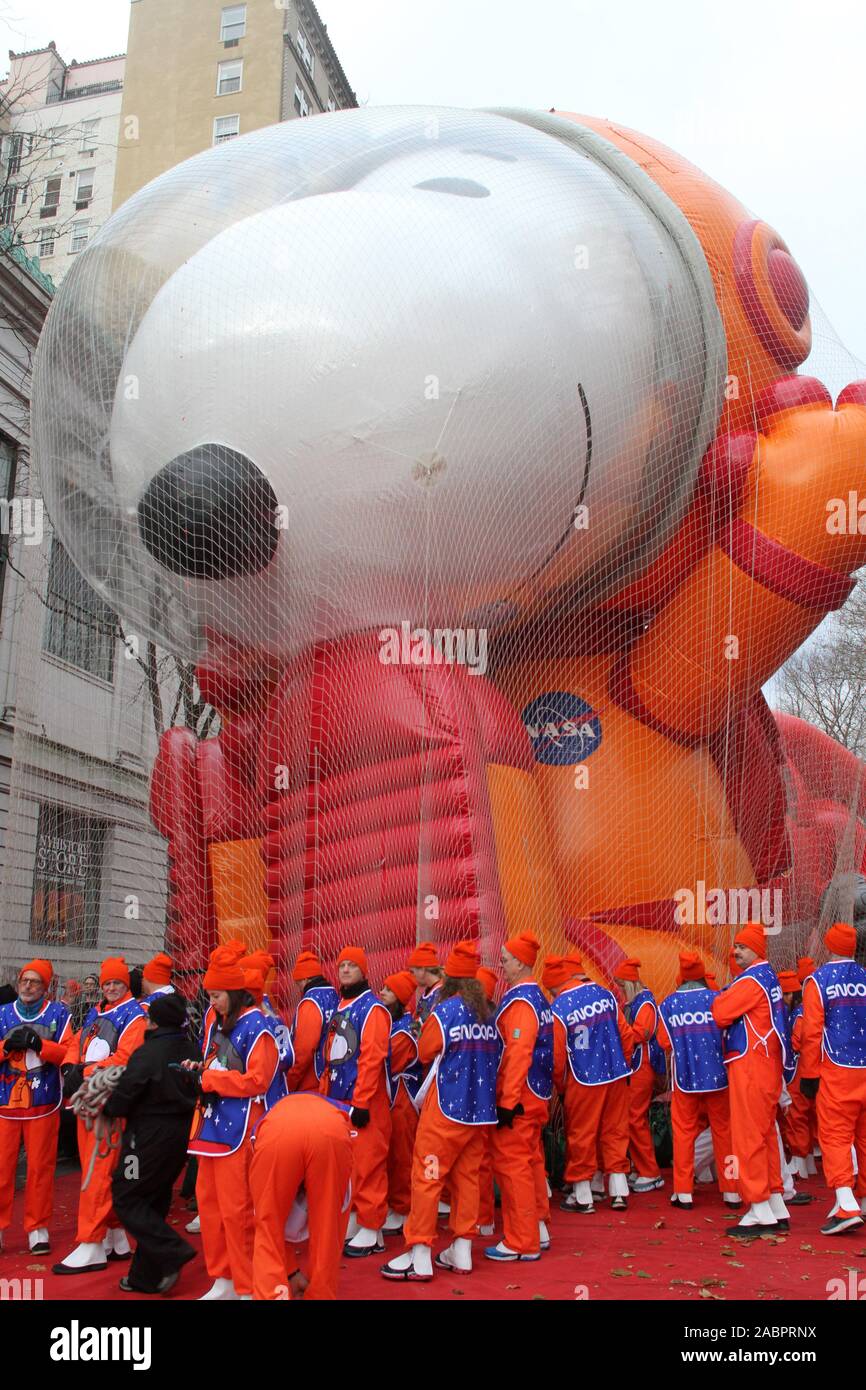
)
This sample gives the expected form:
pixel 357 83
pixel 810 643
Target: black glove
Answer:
pixel 73 1076
pixel 23 1039
pixel 506 1118
pixel 809 1086
pixel 359 1118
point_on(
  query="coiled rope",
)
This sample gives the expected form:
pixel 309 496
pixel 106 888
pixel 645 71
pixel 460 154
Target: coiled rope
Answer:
pixel 87 1103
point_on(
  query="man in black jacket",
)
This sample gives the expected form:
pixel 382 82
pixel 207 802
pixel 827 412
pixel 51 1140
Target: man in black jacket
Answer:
pixel 157 1102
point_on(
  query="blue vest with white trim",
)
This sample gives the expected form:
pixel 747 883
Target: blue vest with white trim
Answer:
pixel 411 1076
pixel 107 1027
pixel 223 1120
pixel 425 1004
pixel 589 1015
pixel 29 1087
pixel 540 1075
pixel 283 1039
pixel 326 1000
pixel 796 1013
pixel 466 1069
pixel 696 1041
pixel 345 1041
pixel 656 1055
pixel 736 1037
pixel 842 986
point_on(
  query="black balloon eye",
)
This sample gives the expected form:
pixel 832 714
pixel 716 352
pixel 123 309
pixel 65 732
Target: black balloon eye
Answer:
pixel 210 514
pixel 461 188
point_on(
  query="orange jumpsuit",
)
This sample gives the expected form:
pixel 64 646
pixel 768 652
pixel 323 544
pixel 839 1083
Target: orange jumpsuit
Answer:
pixel 841 1100
pixel 445 1150
pixel 95 1208
pixel 222 1189
pixel 304 1142
pixel 596 1117
pixel 307 1036
pixel 640 1093
pixel 518 1161
pixel 797 1121
pixel 370 1162
pixel 691 1112
pixel 404 1125
pixel 39 1137
pixel 754 1085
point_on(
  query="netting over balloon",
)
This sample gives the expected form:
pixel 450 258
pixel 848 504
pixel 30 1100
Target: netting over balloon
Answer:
pixel 460 464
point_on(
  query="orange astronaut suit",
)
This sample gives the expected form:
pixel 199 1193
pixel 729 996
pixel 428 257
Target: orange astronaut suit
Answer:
pixel 303 1145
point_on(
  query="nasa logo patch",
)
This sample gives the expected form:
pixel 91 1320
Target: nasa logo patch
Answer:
pixel 562 728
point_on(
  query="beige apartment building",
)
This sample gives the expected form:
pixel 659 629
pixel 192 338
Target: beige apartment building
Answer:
pixel 202 72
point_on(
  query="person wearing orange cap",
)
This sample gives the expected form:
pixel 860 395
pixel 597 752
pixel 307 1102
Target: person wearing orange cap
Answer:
pixel 300 1181
pixel 592 1049
pixel 156 978
pixel 109 1035
pixel 756 1049
pixel 699 1090
pixel 34 1033
pixel 429 975
pixel 257 966
pixel 405 1076
pixel 794 1118
pixel 460 1044
pixel 317 1007
pixel 647 1073
pixel 356 1072
pixel 523 1091
pixel 805 968
pixel 488 980
pixel 833 1066
pixel 240 1066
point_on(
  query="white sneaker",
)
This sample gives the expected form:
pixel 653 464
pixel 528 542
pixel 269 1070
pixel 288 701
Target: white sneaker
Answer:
pixel 414 1263
pixel 543 1236
pixel 647 1184
pixel 38 1242
pixel 352 1228
pixel 365 1241
pixel 597 1184
pixel 221 1290
pixel 194 1226
pixel 90 1255
pixel 488 1230
pixel 117 1242
pixel 393 1224
pixel 444 1209
pixel 457 1257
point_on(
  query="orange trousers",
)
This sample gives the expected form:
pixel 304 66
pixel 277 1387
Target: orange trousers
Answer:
pixel 640 1140
pixel 303 1143
pixel 444 1150
pixel 841 1105
pixel 404 1126
pixel 39 1138
pixel 95 1207
pixel 225 1209
pixel 797 1123
pixel 370 1165
pixel 597 1125
pixel 754 1086
pixel 487 1196
pixel 691 1112
pixel 518 1166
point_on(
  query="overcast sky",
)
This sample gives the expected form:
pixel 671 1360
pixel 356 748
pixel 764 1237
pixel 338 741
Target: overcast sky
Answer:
pixel 765 95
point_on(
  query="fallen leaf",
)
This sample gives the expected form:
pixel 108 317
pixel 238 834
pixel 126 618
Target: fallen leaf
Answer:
pixel 709 1220
pixel 458 1293
pixel 512 1286
pixel 622 1273
pixel 693 1230
pixel 655 1242
pixel 712 1283
pixel 539 1297
pixel 737 1264
pixel 705 1293
pixel 689 1283
pixel 659 1225
pixel 808 1248
pixel 36 1268
pixel 627 1254
pixel 642 1274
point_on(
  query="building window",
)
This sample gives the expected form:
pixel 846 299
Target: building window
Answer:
pixel 46 243
pixel 84 188
pixel 229 75
pixel 301 103
pixel 14 146
pixel 89 131
pixel 80 627
pixel 67 878
pixel 226 128
pixel 50 198
pixel 8 464
pixel 7 205
pixel 80 236
pixel 233 24
pixel 306 52
pixel 332 101
pixel 57 136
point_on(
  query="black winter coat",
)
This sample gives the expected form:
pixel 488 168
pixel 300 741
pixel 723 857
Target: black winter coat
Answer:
pixel 148 1088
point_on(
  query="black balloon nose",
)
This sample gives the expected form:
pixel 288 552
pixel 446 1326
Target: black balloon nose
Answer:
pixel 210 514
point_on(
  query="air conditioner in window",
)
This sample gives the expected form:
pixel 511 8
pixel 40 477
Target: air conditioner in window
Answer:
pixel 230 43
pixel 81 204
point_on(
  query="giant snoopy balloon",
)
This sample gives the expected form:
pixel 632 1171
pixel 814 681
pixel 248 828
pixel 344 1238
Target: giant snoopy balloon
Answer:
pixel 465 455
